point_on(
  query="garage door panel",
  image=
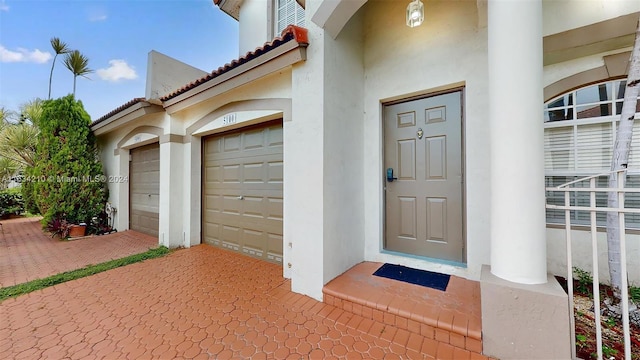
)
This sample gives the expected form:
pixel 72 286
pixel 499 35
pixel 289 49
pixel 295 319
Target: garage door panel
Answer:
pixel 244 181
pixel 144 189
pixel 255 252
pixel 231 234
pixel 214 145
pixel 275 138
pixel 275 209
pixel 253 172
pixel 212 203
pixel 232 143
pixel 276 172
pixel 254 139
pixel 246 222
pixel 254 239
pixel 231 205
pixel 253 206
pixel 274 255
pixel 231 173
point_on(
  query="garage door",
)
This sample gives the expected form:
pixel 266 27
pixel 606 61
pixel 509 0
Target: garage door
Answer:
pixel 144 189
pixel 242 191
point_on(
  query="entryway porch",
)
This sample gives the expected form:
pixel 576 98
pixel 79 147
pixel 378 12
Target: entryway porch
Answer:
pixel 439 324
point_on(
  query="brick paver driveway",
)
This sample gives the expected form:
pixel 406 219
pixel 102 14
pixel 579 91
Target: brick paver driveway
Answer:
pixel 201 302
pixel 26 253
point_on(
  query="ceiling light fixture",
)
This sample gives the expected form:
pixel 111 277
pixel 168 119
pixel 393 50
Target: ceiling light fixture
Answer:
pixel 415 13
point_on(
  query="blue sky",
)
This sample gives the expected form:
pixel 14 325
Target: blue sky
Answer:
pixel 116 36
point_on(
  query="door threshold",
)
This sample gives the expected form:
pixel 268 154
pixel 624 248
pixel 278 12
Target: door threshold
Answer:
pixel 425 258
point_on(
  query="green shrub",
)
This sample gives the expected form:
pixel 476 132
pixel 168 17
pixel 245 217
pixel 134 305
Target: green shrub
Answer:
pixel 11 203
pixel 29 197
pixel 67 176
pixel 634 294
pixel 585 281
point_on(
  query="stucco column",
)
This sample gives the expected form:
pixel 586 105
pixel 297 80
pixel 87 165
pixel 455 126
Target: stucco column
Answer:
pixel 121 222
pixel 171 232
pixel 518 247
pixel 192 201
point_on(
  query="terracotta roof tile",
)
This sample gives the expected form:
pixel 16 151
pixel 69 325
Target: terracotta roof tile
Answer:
pixel 290 33
pixel 117 110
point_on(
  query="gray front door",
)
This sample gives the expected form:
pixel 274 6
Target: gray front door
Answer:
pixel 423 147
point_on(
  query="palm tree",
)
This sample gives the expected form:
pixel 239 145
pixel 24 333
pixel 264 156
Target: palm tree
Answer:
pixel 18 144
pixel 5 116
pixel 31 111
pixel 8 169
pixel 18 139
pixel 59 47
pixel 78 64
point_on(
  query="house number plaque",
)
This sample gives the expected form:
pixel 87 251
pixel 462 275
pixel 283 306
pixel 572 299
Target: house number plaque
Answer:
pixel 229 119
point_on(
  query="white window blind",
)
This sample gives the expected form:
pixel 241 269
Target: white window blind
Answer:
pixel 579 135
pixel 288 12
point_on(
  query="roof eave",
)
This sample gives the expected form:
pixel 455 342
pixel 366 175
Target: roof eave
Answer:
pixel 124 116
pixel 278 58
pixel 230 7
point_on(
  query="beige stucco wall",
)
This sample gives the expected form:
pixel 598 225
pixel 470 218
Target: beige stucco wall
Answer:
pixel 401 61
pixel 276 85
pixel 581 251
pixel 323 159
pixel 344 150
pixel 254 25
pixel 563 15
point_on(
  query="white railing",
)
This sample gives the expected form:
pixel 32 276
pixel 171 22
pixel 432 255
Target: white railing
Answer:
pixel 592 189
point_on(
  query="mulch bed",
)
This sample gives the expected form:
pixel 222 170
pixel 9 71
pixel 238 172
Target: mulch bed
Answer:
pixel 612 336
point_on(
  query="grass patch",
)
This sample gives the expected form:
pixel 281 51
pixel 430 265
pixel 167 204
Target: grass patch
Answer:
pixel 25 288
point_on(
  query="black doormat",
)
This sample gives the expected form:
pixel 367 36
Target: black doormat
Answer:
pixel 414 276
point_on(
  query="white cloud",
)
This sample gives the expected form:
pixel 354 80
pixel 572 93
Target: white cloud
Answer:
pixel 39 57
pixel 117 70
pixel 4 6
pixel 96 18
pixel 24 55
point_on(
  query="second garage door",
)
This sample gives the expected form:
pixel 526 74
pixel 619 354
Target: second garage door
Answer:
pixel 242 191
pixel 144 189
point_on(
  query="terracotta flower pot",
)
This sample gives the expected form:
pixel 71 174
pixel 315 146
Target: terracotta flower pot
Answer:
pixel 77 230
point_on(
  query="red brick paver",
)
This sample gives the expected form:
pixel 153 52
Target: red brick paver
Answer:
pixel 26 253
pixel 201 302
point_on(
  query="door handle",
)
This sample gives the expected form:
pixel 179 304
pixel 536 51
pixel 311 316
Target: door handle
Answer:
pixel 240 197
pixel 390 177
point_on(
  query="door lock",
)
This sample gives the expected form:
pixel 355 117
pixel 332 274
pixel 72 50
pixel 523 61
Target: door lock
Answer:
pixel 420 133
pixel 390 177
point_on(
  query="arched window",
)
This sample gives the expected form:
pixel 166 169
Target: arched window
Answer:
pixel 579 134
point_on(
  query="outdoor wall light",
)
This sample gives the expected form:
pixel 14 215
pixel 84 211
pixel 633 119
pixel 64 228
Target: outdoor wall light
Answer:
pixel 415 13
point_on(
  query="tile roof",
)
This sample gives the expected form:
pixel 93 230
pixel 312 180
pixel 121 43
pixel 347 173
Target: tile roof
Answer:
pixel 117 110
pixel 290 33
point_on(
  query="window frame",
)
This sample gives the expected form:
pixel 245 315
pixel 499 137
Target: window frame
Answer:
pixel 275 16
pixel 579 151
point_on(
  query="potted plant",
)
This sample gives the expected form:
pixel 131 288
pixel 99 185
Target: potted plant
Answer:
pixel 59 227
pixel 77 230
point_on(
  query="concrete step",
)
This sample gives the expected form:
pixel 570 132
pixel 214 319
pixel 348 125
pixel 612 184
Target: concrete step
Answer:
pixel 450 318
